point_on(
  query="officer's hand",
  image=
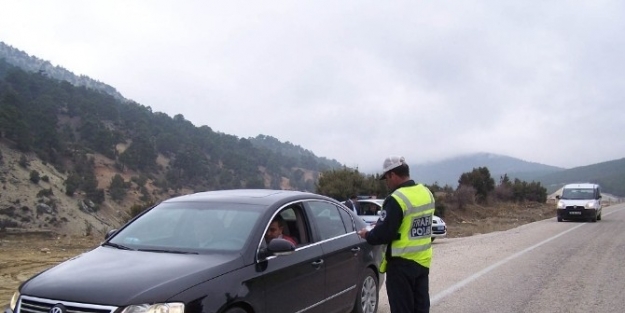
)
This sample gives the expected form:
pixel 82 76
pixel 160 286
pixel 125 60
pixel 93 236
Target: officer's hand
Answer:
pixel 363 233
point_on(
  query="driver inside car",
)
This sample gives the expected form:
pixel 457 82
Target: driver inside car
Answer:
pixel 276 229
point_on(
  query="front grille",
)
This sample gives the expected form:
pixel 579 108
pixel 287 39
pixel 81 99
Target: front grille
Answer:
pixel 29 304
pixel 575 207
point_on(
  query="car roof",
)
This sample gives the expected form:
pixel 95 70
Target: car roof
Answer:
pixel 255 196
pixel 371 200
pixel 581 185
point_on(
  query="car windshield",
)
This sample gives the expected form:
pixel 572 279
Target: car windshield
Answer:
pixel 190 227
pixel 578 193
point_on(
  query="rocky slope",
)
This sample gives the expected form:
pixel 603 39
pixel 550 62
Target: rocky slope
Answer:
pixel 44 206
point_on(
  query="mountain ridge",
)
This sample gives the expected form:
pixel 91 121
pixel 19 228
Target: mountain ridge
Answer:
pixel 33 64
pixel 446 171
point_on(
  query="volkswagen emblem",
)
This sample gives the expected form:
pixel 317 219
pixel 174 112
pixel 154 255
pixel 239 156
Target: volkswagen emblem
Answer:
pixel 58 308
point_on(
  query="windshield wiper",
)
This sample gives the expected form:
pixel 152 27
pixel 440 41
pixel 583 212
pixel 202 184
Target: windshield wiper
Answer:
pixel 167 251
pixel 116 245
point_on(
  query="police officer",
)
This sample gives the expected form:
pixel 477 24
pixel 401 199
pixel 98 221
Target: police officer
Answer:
pixel 405 226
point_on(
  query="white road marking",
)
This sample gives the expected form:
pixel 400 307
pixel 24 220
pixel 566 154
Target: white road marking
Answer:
pixel 439 296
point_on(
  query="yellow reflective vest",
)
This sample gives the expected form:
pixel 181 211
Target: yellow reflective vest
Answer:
pixel 415 231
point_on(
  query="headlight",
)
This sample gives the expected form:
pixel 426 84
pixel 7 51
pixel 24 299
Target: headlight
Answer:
pixel 175 307
pixel 560 205
pixel 13 304
pixel 590 205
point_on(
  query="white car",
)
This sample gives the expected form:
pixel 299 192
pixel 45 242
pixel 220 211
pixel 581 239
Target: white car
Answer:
pixel 372 207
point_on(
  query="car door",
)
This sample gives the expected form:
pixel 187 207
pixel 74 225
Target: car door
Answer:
pixel 341 249
pixel 295 282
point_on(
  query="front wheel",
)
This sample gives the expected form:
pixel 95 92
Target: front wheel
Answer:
pixel 367 297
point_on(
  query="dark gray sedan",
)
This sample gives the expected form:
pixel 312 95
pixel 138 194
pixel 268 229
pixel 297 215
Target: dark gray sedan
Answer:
pixel 207 253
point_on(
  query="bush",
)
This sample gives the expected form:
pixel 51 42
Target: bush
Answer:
pixel 464 196
pixel 96 196
pixel 34 176
pixel 136 209
pixel 440 208
pixel 23 162
pixel 117 188
pixel 140 180
pixel 44 193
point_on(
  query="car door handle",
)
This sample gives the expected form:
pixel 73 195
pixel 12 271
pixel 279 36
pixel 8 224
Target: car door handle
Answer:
pixel 317 263
pixel 355 250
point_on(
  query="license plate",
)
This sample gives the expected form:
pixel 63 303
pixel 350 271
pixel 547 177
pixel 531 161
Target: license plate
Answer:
pixel 575 213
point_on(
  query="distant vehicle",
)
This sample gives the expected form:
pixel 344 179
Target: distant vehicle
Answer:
pixel 372 207
pixel 579 201
pixel 206 252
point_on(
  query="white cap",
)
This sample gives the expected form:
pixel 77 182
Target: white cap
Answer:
pixel 392 162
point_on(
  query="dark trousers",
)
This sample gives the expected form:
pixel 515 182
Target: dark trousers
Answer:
pixel 407 285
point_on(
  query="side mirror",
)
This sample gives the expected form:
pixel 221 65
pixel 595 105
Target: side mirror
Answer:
pixel 279 246
pixel 558 197
pixel 110 233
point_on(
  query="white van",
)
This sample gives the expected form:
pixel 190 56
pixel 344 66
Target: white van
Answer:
pixel 579 201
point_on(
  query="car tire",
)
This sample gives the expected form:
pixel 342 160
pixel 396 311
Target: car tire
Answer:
pixel 559 219
pixel 367 296
pixel 599 217
pixel 593 219
pixel 236 310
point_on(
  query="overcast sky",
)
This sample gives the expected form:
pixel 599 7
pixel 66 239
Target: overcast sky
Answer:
pixel 543 81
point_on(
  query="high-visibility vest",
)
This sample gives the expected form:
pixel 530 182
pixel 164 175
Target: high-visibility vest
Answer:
pixel 415 231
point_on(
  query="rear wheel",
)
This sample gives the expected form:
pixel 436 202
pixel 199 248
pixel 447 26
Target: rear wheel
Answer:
pixel 367 297
pixel 559 219
pixel 236 310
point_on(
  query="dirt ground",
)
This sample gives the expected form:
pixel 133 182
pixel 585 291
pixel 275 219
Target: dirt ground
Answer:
pixel 22 255
pixel 476 219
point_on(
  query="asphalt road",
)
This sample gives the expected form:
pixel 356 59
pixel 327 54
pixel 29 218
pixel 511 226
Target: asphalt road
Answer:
pixel 544 266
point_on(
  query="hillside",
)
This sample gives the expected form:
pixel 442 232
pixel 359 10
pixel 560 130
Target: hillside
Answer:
pixel 610 175
pixel 44 206
pixel 448 171
pixel 80 139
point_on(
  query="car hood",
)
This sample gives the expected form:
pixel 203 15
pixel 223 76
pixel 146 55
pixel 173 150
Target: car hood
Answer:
pixel 110 276
pixel 438 220
pixel 581 202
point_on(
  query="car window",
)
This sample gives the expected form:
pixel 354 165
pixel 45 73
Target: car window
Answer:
pixel 291 227
pixel 327 218
pixel 369 208
pixel 578 193
pixel 181 226
pixel 348 222
pixel 294 225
